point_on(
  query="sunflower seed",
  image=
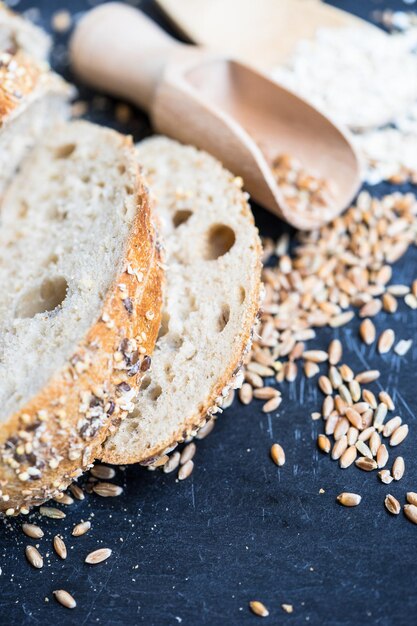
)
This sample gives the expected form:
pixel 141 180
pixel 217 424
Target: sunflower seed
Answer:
pixel 60 547
pixel 385 476
pixel 48 511
pixel 403 346
pixel 325 385
pixel 367 331
pixel 349 499
pixel 348 457
pixel 392 505
pixel 380 415
pixel 391 425
pixel 272 404
pixel 364 449
pixel 98 556
pixel 323 443
pixel 188 453
pixel 107 490
pixel 34 557
pixel 258 608
pixel 33 531
pixel 186 470
pixel 76 491
pixel 366 464
pixel 398 468
pixel 368 376
pixel 339 448
pixel 102 472
pixel 386 341
pixel 382 456
pixel 410 511
pixel 81 529
pixel 412 497
pixel 65 598
pixel 316 356
pixel 399 435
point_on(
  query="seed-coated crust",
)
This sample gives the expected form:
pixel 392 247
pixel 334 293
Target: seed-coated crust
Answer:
pixel 59 432
pixel 23 80
pixel 192 423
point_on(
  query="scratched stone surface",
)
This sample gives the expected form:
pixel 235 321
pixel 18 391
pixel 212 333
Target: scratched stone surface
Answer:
pixel 240 528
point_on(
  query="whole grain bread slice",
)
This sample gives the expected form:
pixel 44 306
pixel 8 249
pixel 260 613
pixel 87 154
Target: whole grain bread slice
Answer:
pixel 79 309
pixel 32 99
pixel 211 300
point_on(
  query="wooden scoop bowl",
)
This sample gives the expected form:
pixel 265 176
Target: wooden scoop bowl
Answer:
pixel 220 105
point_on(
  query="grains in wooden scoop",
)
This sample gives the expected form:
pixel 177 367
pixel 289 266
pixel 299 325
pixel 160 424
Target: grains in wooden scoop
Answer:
pixel 258 608
pixel 60 547
pixel 392 505
pixel 98 556
pixel 349 499
pixel 32 530
pixel 277 454
pixel 81 529
pixel 34 557
pixel 65 598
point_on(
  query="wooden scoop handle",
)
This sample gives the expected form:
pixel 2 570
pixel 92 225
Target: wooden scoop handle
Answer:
pixel 117 49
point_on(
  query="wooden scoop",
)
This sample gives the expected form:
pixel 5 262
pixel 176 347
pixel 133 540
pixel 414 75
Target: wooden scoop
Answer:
pixel 219 105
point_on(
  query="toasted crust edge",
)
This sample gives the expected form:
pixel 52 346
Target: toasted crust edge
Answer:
pixel 59 431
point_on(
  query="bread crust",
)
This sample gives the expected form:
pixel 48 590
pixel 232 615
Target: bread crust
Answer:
pixel 57 435
pixel 23 80
pixel 231 379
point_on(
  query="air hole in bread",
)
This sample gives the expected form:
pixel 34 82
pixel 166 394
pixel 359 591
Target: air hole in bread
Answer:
pixel 223 318
pixel 23 209
pixel 220 238
pixel 46 297
pixel 181 216
pixel 121 169
pixel 177 341
pixel 146 381
pixel 242 294
pixel 65 151
pixel 86 179
pixel 168 372
pixel 155 392
pixel 52 259
pixel 164 325
pixel 129 190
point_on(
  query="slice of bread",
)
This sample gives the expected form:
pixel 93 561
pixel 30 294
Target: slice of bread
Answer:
pixel 17 33
pixel 211 300
pixel 32 98
pixel 77 325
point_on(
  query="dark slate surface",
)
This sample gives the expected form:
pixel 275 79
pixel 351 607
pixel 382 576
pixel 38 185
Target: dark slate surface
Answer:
pixel 239 529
